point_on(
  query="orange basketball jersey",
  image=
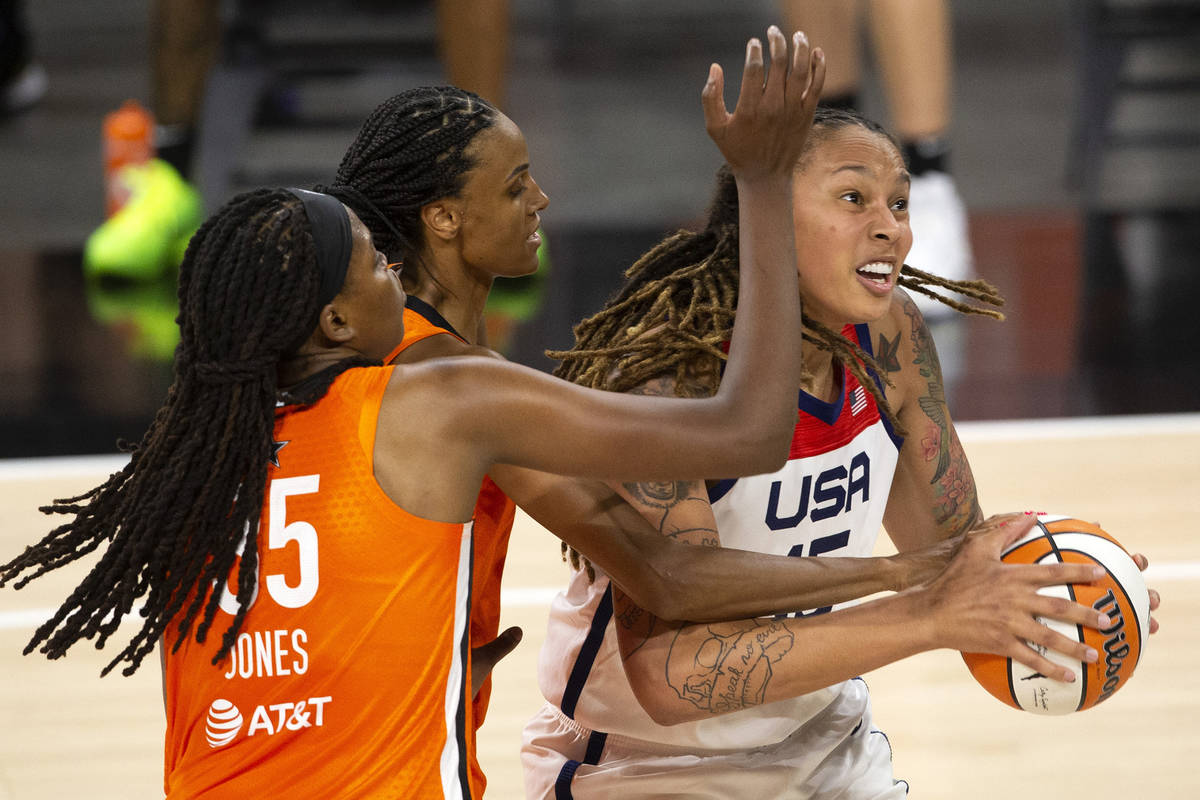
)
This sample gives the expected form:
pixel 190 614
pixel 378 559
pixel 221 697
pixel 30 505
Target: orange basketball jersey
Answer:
pixel 493 518
pixel 348 677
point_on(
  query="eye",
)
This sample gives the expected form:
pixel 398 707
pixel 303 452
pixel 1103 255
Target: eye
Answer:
pixel 900 204
pixel 396 266
pixel 853 197
pixel 518 188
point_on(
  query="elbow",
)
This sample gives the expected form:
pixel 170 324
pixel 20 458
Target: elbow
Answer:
pixel 663 603
pixel 655 592
pixel 670 584
pixel 663 715
pixel 659 704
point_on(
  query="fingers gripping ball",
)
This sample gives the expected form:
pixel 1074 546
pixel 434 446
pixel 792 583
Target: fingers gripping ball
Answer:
pixel 1121 594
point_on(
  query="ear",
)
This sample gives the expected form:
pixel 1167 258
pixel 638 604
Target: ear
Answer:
pixel 442 218
pixel 334 325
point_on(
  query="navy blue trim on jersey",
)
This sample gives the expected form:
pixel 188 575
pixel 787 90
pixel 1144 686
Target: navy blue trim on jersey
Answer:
pixel 562 786
pixel 826 412
pixel 720 489
pixel 431 314
pixel 829 413
pixel 595 748
pixel 587 654
pixel 863 331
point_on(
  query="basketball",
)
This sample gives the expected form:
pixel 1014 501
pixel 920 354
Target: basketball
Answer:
pixel 1121 594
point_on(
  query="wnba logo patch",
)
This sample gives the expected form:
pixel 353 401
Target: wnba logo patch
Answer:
pixel 223 723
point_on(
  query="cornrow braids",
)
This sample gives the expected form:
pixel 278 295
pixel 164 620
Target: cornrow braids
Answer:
pixel 411 151
pixel 677 308
pixel 187 504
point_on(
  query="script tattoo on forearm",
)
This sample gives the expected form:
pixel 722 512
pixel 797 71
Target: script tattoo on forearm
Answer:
pixel 727 666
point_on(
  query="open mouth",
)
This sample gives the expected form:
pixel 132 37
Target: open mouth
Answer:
pixel 876 271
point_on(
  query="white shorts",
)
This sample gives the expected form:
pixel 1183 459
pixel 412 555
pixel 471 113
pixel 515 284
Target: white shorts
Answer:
pixel 829 758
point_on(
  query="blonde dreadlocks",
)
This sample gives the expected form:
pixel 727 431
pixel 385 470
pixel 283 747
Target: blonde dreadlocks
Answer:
pixel 676 310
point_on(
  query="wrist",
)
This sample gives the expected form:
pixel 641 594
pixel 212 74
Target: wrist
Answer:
pixel 763 182
pixel 920 613
pixel 898 572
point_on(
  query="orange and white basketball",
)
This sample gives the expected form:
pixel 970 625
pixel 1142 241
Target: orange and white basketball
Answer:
pixel 1121 594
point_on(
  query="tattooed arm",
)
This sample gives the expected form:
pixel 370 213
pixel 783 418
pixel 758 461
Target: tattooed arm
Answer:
pixel 709 582
pixel 933 495
pixel 687 672
pixel 675 581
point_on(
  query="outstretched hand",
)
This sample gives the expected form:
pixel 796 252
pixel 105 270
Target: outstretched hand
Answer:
pixel 766 131
pixel 983 605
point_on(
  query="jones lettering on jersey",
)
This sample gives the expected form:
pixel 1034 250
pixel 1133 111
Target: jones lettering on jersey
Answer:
pixel 1116 649
pixel 268 654
pixel 833 492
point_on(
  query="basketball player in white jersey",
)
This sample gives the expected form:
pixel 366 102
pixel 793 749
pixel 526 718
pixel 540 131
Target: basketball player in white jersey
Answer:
pixel 770 708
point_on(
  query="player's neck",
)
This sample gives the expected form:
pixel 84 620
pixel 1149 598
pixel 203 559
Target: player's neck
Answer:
pixel 455 296
pixel 820 378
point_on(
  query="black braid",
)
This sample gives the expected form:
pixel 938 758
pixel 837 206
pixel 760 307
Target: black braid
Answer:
pixel 676 309
pixel 175 517
pixel 411 151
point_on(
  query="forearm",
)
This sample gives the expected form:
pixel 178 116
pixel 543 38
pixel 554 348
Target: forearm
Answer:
pixel 700 671
pixel 761 365
pixel 676 581
pixel 711 584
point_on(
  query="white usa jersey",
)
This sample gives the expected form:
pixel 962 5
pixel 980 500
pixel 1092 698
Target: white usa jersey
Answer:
pixel 827 500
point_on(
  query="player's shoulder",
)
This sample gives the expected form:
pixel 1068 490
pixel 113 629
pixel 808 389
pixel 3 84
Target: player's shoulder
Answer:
pixel 902 325
pixel 898 342
pixel 902 314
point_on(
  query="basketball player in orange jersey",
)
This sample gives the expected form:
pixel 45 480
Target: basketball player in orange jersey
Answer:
pixel 770 707
pixel 313 508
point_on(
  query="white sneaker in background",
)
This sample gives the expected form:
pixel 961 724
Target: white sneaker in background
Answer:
pixel 25 89
pixel 938 218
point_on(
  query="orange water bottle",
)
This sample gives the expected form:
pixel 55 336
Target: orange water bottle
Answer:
pixel 128 139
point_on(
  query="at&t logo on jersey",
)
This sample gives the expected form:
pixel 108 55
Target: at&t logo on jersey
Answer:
pixel 225 720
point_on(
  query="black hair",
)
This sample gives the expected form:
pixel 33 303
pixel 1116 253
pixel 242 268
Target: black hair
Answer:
pixel 411 151
pixel 178 515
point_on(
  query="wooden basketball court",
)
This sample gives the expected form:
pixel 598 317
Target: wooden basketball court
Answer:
pixel 66 733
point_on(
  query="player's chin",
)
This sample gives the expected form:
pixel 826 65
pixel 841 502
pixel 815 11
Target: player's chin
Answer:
pixel 870 310
pixel 525 266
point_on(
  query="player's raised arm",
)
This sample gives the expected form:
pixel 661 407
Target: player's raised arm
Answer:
pixel 530 419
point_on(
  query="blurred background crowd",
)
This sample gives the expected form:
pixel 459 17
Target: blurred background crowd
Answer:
pixel 1056 144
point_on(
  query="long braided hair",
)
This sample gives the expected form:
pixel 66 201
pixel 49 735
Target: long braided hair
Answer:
pixel 177 517
pixel 676 310
pixel 411 151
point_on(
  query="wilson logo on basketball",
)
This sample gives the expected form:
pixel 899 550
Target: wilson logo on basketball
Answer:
pixel 1115 647
pixel 223 723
